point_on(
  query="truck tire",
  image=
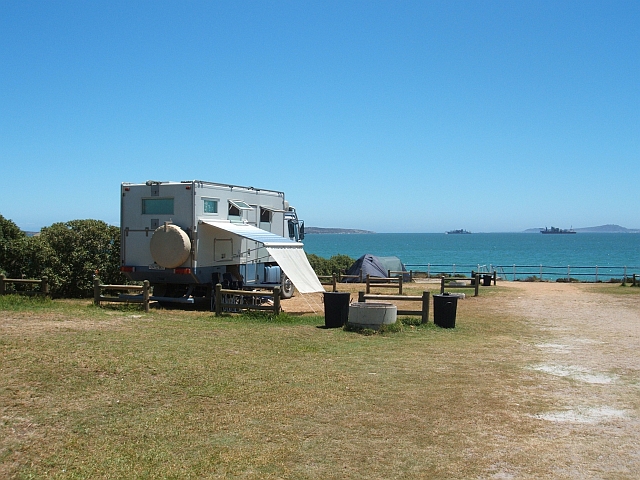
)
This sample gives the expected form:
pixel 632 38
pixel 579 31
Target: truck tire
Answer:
pixel 286 287
pixel 170 246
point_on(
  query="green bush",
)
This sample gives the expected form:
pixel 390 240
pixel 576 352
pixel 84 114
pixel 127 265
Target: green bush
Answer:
pixel 69 254
pixel 79 250
pixel 336 264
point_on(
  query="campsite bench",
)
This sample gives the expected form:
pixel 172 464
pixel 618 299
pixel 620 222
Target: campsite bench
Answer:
pixel 424 298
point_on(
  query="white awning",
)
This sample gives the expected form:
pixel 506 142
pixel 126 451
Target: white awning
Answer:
pixel 288 254
pixel 254 233
pixel 295 265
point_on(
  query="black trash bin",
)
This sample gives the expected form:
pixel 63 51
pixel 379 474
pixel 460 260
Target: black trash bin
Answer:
pixel 486 280
pixel 444 310
pixel 336 309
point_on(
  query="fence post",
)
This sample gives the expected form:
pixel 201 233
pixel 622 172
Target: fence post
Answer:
pixel 477 284
pixel 400 285
pixel 634 280
pixel 368 289
pixel 514 272
pixel 276 300
pixel 540 272
pixel 428 270
pixel 442 285
pixel 361 298
pixel 495 278
pixel 218 299
pixel 145 295
pixel 2 287
pixel 624 279
pixel 425 307
pixel 96 291
pixel 596 273
pixel 44 285
pixel 569 273
pixel 333 282
pixel 411 275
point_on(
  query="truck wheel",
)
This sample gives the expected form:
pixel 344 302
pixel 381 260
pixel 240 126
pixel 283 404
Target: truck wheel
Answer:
pixel 286 287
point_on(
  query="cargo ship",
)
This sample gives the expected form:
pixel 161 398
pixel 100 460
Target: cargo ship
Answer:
pixel 457 232
pixel 557 231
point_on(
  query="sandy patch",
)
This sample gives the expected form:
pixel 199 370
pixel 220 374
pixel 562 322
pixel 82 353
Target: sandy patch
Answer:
pixel 587 415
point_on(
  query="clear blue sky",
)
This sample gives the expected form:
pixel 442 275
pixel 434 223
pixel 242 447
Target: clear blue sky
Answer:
pixel 389 116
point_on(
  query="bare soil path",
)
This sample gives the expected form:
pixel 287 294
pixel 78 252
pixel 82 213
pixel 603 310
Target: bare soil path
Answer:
pixel 588 345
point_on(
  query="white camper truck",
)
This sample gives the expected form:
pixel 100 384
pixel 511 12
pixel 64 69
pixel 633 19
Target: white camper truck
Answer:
pixel 185 237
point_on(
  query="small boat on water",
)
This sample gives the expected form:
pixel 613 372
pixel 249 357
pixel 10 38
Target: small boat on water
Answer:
pixel 557 231
pixel 457 232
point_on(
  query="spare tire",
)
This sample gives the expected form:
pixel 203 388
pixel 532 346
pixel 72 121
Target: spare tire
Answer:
pixel 170 246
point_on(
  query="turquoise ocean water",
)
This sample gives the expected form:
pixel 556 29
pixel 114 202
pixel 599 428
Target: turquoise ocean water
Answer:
pixel 556 253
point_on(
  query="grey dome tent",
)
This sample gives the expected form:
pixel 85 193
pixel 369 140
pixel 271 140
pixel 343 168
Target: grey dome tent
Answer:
pixel 375 267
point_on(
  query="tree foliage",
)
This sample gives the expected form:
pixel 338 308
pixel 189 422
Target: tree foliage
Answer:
pixel 79 250
pixel 69 254
pixel 12 247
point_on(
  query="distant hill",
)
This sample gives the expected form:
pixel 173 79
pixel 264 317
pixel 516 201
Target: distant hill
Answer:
pixel 347 231
pixel 609 228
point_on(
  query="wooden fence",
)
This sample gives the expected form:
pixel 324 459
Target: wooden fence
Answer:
pixel 236 300
pixel 98 298
pixel 329 280
pixel 445 282
pixel 43 282
pixel 390 282
pixel 424 298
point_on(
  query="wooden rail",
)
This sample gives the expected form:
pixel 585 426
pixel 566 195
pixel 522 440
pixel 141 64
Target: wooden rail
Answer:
pixel 332 280
pixel 377 282
pixel 395 273
pixel 475 283
pixel 424 298
pixel 43 282
pixel 358 277
pixel 98 297
pixel 241 294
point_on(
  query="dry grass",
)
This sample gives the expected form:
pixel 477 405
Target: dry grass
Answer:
pixel 105 393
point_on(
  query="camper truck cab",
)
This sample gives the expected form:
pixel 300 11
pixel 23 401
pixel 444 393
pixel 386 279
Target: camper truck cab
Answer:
pixel 186 237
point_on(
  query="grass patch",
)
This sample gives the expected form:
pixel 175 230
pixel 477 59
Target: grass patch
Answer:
pixel 90 392
pixel 613 289
pixel 19 303
pixel 269 317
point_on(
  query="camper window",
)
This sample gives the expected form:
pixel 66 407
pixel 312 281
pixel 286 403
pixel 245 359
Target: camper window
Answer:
pixel 157 206
pixel 210 205
pixel 236 207
pixel 265 215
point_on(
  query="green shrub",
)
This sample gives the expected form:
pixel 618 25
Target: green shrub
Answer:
pixel 69 254
pixel 79 250
pixel 336 264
